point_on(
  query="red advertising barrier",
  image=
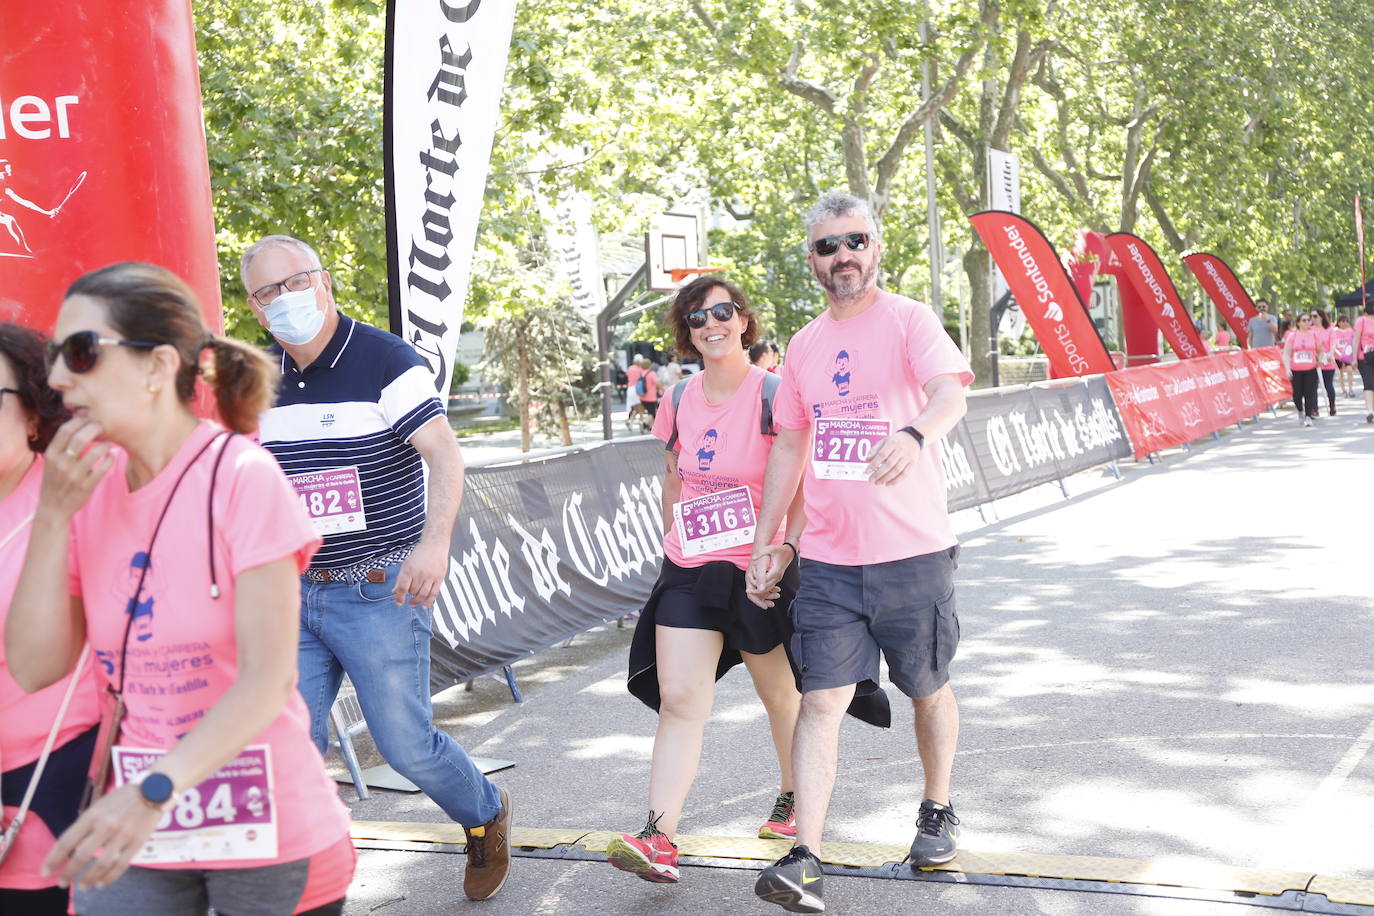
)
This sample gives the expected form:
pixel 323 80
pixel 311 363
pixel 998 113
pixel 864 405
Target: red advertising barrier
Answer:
pixel 102 150
pixel 1167 405
pixel 1141 268
pixel 1045 293
pixel 1232 301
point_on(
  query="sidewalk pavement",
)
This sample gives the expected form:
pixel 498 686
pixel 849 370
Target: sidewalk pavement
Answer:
pixel 506 445
pixel 1174 667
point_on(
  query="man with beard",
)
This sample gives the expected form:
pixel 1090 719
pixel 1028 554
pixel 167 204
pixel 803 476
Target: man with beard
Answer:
pixel 871 385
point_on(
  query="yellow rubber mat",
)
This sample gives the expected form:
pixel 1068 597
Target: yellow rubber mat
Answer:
pixel 1158 873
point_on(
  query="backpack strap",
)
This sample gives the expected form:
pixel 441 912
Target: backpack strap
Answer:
pixel 678 388
pixel 767 393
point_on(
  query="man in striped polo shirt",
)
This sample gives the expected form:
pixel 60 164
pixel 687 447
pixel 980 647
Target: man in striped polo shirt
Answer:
pixel 355 416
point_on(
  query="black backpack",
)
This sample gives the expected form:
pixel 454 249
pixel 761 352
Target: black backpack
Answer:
pixel 766 395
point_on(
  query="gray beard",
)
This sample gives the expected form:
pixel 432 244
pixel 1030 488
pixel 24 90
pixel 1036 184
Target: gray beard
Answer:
pixel 849 288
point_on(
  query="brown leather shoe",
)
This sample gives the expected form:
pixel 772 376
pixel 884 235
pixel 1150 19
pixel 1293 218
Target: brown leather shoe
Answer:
pixel 488 854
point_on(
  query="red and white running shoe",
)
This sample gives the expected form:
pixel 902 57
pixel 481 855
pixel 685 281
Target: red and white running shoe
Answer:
pixel 782 823
pixel 648 854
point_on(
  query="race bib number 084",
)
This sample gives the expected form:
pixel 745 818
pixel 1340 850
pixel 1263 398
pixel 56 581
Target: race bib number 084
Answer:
pixel 228 816
pixel 842 448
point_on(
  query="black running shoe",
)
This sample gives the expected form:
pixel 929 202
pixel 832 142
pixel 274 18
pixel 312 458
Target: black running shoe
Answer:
pixel 937 835
pixel 794 882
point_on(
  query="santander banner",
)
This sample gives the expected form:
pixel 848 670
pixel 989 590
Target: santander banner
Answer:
pixel 445 65
pixel 1142 269
pixel 1166 405
pixel 1045 293
pixel 102 150
pixel 1225 291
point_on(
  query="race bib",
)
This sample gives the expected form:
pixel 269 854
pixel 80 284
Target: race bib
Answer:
pixel 1344 348
pixel 228 816
pixel 842 448
pixel 333 499
pixel 717 521
pixel 1369 348
pixel 1303 356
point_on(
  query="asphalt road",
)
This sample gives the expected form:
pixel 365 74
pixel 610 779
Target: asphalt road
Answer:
pixel 1174 667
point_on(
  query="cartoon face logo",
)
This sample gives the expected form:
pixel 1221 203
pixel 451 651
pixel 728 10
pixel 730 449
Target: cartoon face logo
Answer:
pixel 706 453
pixel 253 801
pixel 841 376
pixel 141 609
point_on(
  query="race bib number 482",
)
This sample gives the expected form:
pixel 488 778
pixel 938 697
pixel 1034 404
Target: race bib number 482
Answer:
pixel 841 448
pixel 333 499
pixel 228 816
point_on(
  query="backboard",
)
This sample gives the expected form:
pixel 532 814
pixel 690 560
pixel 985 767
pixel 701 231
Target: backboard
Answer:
pixel 672 242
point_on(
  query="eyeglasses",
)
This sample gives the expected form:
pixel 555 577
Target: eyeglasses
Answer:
pixel 14 391
pixel 721 311
pixel 81 350
pixel 854 241
pixel 268 294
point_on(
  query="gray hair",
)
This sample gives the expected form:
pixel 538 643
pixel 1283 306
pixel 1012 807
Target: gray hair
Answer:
pixel 837 204
pixel 271 241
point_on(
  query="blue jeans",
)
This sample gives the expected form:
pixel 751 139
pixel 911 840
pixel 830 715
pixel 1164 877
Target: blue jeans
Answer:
pixel 359 629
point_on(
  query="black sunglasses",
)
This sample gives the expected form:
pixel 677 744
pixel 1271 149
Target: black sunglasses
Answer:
pixel 81 350
pixel 721 311
pixel 854 241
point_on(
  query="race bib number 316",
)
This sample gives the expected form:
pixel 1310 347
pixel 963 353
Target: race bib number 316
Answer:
pixel 228 816
pixel 842 448
pixel 716 521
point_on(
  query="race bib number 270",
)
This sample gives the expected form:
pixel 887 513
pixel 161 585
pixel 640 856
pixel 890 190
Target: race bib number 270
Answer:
pixel 841 448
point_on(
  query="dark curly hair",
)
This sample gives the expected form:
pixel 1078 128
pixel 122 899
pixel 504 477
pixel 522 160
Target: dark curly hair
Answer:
pixel 26 352
pixel 691 297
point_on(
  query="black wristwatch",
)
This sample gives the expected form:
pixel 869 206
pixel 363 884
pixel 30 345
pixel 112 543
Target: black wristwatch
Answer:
pixel 914 433
pixel 156 789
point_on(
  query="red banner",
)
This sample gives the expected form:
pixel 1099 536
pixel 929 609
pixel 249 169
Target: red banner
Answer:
pixel 1141 267
pixel 102 151
pixel 1232 301
pixel 1044 292
pixel 1167 405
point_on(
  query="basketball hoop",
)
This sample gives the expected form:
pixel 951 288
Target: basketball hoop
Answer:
pixel 678 274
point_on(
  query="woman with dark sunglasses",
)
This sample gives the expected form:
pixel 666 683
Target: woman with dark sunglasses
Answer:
pixel 173 545
pixel 699 620
pixel 1302 353
pixel 30 412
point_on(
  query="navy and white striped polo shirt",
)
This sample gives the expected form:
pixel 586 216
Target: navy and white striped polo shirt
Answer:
pixel 357 405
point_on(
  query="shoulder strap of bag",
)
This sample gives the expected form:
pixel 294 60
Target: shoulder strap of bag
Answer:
pixel 678 388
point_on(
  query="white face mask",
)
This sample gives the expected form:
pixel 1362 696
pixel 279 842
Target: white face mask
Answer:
pixel 294 318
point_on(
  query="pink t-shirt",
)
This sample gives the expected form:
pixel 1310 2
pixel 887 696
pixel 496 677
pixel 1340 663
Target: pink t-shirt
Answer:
pixel 182 649
pixel 1303 354
pixel 1343 343
pixel 1364 336
pixel 1323 336
pixel 874 365
pixel 719 448
pixel 26 718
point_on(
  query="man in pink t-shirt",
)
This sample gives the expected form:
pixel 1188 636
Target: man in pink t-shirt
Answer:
pixel 871 385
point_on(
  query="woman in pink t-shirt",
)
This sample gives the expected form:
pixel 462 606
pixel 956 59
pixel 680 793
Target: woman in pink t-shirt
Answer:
pixel 1343 349
pixel 1302 353
pixel 30 413
pixel 174 547
pixel 1321 326
pixel 1364 357
pixel 699 620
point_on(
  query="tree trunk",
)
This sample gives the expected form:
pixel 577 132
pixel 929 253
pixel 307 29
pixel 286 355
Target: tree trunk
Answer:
pixel 523 388
pixel 980 304
pixel 563 429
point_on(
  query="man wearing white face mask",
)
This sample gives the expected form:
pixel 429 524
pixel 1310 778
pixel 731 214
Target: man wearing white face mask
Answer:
pixel 356 414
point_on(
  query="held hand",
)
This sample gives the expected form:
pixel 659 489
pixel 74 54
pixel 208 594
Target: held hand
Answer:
pixel 421 575
pixel 97 849
pixel 893 460
pixel 73 466
pixel 764 573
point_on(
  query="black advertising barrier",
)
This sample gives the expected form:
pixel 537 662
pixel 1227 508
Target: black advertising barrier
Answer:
pixel 550 547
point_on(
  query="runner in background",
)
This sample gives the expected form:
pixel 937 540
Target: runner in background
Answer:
pixel 764 354
pixel 648 398
pixel 634 409
pixel 1321 326
pixel 698 621
pixel 30 412
pixel 1363 333
pixel 1301 355
pixel 173 546
pixel 1343 346
pixel 872 384
pixel 1223 338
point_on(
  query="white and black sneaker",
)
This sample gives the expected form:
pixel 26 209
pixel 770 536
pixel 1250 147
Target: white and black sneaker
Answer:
pixel 937 835
pixel 794 882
